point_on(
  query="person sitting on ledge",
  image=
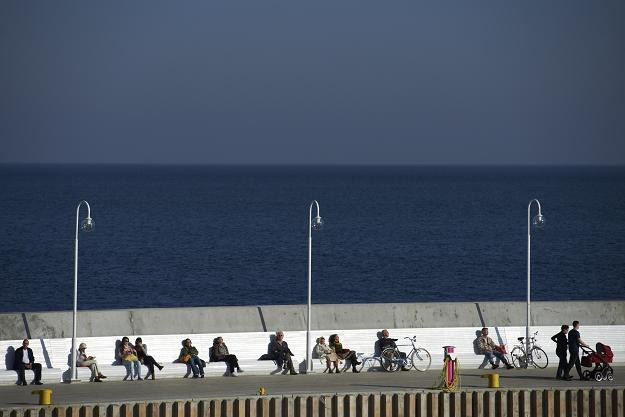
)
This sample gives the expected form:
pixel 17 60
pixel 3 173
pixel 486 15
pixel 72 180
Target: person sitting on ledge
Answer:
pixel 344 353
pixel 489 349
pixel 24 359
pixel 219 353
pixel 144 358
pixel 189 355
pixel 280 352
pixel 128 354
pixel 89 362
pixel 326 353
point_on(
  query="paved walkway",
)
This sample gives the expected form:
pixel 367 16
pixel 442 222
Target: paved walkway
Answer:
pixel 247 385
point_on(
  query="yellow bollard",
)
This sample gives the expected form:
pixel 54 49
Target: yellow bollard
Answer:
pixel 261 391
pixel 45 396
pixel 493 380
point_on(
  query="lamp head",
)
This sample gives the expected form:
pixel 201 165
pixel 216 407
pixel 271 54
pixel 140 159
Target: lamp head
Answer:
pixel 538 221
pixel 317 223
pixel 87 225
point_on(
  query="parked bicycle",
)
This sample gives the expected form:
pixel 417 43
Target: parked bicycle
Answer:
pixel 391 359
pixel 536 357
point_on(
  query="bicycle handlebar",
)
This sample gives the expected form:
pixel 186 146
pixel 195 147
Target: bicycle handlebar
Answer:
pixel 412 339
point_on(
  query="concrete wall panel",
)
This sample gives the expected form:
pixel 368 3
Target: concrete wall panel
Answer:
pixel 193 320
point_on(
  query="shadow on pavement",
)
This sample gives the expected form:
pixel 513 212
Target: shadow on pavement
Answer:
pixel 387 386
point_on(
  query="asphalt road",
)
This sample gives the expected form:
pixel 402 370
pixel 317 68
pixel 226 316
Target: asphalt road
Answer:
pixel 12 396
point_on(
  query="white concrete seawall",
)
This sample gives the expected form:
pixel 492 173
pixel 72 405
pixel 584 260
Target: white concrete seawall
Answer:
pixel 193 320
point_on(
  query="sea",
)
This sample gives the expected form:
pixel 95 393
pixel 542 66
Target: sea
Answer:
pixel 176 236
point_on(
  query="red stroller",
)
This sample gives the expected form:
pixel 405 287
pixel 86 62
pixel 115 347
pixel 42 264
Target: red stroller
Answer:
pixel 600 360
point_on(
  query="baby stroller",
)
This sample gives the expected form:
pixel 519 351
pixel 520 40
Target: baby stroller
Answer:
pixel 600 360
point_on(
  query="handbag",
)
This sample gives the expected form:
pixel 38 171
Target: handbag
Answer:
pixel 130 358
pixel 185 358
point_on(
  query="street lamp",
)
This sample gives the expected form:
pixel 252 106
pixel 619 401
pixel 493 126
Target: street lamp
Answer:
pixel 538 221
pixel 313 224
pixel 86 225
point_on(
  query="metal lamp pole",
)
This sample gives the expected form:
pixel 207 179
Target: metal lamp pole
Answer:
pixel 315 224
pixel 538 221
pixel 87 225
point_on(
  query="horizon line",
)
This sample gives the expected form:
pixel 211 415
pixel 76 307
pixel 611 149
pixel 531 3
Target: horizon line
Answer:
pixel 348 164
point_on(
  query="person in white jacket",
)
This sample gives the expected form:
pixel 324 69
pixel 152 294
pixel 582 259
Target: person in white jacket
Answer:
pixel 89 362
pixel 325 352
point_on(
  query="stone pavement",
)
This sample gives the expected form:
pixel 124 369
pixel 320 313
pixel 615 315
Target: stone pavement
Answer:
pixel 247 385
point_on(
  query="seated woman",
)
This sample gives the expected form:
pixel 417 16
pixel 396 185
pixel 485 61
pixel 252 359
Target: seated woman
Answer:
pixel 90 362
pixel 130 359
pixel 144 358
pixel 189 355
pixel 325 352
pixel 219 353
pixel 344 353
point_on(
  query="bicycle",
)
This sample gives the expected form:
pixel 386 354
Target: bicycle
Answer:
pixel 391 359
pixel 536 357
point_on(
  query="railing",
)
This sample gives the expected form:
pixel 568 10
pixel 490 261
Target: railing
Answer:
pixel 542 403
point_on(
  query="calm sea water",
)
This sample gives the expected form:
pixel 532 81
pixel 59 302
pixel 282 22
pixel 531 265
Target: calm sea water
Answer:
pixel 205 236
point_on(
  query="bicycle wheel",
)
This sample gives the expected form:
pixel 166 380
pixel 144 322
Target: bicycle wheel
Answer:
pixel 539 357
pixel 389 359
pixel 518 357
pixel 421 359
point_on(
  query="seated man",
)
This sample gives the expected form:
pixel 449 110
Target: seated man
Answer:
pixel 489 349
pixel 280 352
pixel 386 342
pixel 24 359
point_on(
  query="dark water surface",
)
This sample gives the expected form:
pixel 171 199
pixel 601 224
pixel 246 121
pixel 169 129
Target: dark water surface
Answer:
pixel 172 236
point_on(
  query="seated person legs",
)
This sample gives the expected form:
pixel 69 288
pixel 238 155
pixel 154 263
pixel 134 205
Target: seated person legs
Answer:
pixel 137 366
pixel 288 363
pixel 233 362
pixel 196 366
pixel 21 373
pixel 128 366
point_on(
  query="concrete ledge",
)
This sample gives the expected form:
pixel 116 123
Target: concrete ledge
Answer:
pixel 545 403
pixel 156 321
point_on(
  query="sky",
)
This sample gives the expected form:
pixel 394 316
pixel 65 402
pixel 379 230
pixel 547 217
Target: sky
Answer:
pixel 340 82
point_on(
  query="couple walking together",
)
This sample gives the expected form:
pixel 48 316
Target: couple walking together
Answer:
pixel 572 343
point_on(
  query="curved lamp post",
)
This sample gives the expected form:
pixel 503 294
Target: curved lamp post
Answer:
pixel 538 221
pixel 313 224
pixel 86 225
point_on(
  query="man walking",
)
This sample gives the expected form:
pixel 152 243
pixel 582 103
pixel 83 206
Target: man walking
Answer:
pixel 575 342
pixel 24 359
pixel 561 347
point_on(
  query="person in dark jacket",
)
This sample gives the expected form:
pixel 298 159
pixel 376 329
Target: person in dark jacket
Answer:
pixel 561 348
pixel 386 342
pixel 344 353
pixel 189 355
pixel 280 352
pixel 144 358
pixel 24 359
pixel 575 341
pixel 219 353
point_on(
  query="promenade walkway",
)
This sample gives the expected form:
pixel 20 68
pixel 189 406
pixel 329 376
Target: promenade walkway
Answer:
pixel 247 385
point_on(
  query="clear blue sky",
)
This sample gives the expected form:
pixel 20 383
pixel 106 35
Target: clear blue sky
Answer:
pixel 407 82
